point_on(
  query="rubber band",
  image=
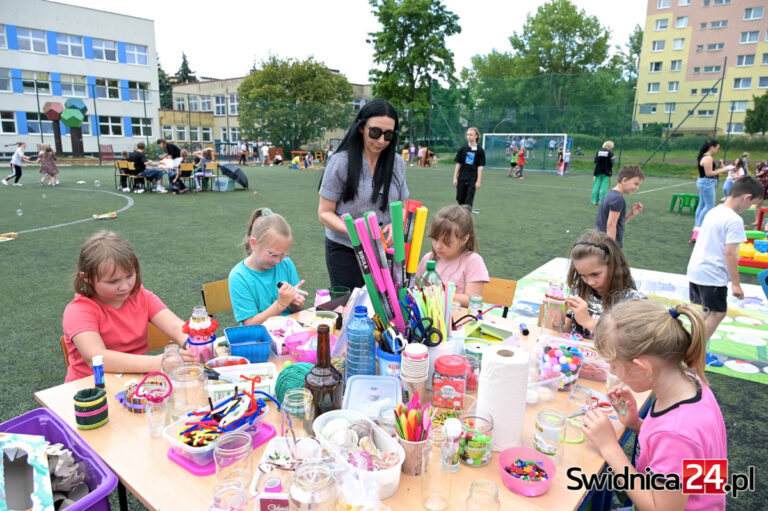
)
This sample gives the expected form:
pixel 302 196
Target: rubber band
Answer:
pixel 89 404
pixel 573 422
pixel 94 412
pixel 93 426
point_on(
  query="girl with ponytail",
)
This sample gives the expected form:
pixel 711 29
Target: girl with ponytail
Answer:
pixel 650 348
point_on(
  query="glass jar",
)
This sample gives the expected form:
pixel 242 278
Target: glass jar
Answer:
pixel 313 488
pixel 549 434
pixel 449 383
pixel 475 305
pixel 233 458
pixel 156 408
pixel 229 496
pixel 296 414
pixel 476 438
pixel 189 393
pixel 483 496
pixel 171 358
pixel 553 313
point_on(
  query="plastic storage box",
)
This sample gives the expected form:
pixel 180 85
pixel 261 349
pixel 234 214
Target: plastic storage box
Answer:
pixel 223 184
pixel 369 394
pixel 100 479
pixel 251 342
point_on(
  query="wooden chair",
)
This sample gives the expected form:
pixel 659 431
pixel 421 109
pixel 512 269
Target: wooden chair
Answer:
pixel 157 341
pixel 216 296
pixel 212 167
pixel 187 171
pixel 500 292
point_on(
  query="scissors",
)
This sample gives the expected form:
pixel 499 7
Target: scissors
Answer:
pixel 595 404
pixel 423 331
pixel 395 341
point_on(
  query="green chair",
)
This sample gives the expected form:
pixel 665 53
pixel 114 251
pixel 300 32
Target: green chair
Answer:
pixel 687 200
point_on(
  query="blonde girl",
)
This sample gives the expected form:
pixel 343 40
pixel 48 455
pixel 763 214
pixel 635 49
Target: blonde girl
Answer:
pixel 253 282
pixel 48 166
pixel 454 248
pixel 111 309
pixel 650 349
pixel 598 278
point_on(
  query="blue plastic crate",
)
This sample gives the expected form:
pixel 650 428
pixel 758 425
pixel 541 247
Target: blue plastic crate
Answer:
pixel 99 478
pixel 251 342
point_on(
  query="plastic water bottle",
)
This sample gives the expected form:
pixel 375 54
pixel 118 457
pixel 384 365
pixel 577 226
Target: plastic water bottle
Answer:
pixel 361 345
pixel 430 277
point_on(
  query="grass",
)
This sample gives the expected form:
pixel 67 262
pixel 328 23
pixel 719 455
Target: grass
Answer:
pixel 185 241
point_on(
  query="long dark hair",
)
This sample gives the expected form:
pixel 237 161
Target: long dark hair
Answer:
pixel 352 144
pixel 608 252
pixel 706 147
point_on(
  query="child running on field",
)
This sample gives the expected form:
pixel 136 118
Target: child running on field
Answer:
pixel 454 248
pixel 649 348
pixel 598 278
pixel 520 164
pixel 48 167
pixel 111 309
pixel 512 161
pixel 253 282
pixel 16 161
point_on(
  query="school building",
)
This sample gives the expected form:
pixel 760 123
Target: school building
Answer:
pixel 51 52
pixel 704 59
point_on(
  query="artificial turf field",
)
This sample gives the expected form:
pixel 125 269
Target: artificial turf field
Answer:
pixel 185 241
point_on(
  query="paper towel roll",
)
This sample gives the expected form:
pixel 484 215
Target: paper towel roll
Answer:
pixel 501 391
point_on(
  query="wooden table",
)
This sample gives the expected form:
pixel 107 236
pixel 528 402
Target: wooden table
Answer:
pixel 142 466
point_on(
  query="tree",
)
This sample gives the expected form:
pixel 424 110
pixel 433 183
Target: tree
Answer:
pixel 560 38
pixel 164 84
pixel 411 48
pixel 290 102
pixel 185 74
pixel 756 120
pixel 628 58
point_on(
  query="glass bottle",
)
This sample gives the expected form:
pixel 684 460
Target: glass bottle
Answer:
pixel 430 276
pixel 324 380
pixel 449 459
pixel 171 358
pixel 313 488
pixel 483 496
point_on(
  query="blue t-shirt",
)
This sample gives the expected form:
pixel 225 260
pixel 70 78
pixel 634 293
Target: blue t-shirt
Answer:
pixel 252 291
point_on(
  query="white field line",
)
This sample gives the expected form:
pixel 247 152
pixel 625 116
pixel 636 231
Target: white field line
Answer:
pixel 128 205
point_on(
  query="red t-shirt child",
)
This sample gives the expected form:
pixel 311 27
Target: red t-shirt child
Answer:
pixel 123 329
pixel 521 158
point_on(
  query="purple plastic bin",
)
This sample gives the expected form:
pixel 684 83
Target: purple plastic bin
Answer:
pixel 99 478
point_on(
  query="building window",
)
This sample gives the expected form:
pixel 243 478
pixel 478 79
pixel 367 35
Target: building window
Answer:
pixel 192 100
pixel 107 89
pixel 711 91
pixel 7 123
pixel 5 79
pixel 194 134
pixel 658 45
pixel 719 24
pixel 735 128
pixel 673 86
pixel 706 4
pixel 224 133
pixel 69 45
pixel 716 47
pixel 694 91
pixel 31 40
pixel 745 60
pixel 703 26
pixel 742 83
pixel 648 108
pixel 712 69
pixel 138 91
pixel 234 133
pixel 739 106
pixel 233 105
pixel 669 108
pixel 207 134
pixel 681 22
pixel 762 82
pixel 722 2
pixel 696 70
pixel 219 105
pixel 181 133
pixel 136 54
pixel 35 81
pixel 765 59
pixel 699 48
pixel 110 125
pixel 180 104
pixel 653 87
pixel 753 13
pixel 74 86
pixel 167 132
pixel 655 67
pixel 205 104
pixel 105 50
pixel 678 43
pixel 3 40
pixel 662 24
pixel 141 126
pixel 676 65
pixel 705 113
pixel 663 4
pixel 683 3
pixel 749 37
pixel 39 123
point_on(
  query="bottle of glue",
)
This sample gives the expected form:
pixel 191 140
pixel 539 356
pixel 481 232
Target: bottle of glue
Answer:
pixel 98 371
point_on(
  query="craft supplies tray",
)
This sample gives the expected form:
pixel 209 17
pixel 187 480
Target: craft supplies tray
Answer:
pixel 267 373
pixel 387 479
pixel 368 394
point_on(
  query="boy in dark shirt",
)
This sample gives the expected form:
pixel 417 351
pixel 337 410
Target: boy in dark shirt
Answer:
pixel 612 214
pixel 468 174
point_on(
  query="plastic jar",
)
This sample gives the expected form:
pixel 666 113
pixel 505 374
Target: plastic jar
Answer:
pixel 549 434
pixel 475 305
pixel 450 381
pixel 474 354
pixel 476 438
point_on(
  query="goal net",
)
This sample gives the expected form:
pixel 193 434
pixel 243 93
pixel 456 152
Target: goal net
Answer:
pixel 540 149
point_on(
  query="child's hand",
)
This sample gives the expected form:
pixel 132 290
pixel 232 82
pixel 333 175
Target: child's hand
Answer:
pixel 621 397
pixel 599 430
pixel 579 308
pixel 737 291
pixel 455 182
pixel 288 293
pixel 388 234
pixel 637 208
pixel 188 356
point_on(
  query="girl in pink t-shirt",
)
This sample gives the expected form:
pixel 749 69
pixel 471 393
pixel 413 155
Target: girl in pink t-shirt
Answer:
pixel 111 309
pixel 649 349
pixel 454 248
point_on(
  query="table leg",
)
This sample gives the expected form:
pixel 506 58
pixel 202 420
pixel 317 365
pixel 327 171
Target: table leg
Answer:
pixel 122 496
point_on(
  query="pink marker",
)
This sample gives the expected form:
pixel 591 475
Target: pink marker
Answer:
pixel 385 274
pixel 370 254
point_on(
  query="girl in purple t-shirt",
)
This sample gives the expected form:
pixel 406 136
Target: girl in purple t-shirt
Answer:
pixel 650 349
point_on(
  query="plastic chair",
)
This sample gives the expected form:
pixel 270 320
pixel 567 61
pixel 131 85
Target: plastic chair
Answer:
pixel 500 292
pixel 216 296
pixel 687 200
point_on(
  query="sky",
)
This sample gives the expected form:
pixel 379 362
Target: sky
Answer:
pixel 226 41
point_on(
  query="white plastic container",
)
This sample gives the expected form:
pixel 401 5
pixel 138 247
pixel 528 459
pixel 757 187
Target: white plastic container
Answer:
pixel 388 479
pixel 220 389
pixel 368 394
pixel 543 391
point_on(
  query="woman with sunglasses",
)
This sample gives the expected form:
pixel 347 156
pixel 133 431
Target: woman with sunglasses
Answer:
pixel 365 174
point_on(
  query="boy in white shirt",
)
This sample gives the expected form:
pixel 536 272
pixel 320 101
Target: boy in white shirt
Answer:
pixel 716 254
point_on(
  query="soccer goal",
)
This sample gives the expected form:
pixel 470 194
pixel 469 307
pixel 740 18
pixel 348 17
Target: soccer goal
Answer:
pixel 540 149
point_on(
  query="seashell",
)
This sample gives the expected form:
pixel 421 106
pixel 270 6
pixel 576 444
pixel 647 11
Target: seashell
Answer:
pixel 344 438
pixel 361 460
pixel 385 460
pixel 362 427
pixel 368 446
pixel 334 425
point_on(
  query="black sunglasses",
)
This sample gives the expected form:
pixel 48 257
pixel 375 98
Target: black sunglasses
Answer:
pixel 375 133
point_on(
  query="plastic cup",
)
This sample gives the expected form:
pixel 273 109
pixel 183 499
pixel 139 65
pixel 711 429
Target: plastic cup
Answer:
pixel 338 291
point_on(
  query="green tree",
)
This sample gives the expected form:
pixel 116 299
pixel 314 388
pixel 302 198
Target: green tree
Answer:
pixel 164 84
pixel 756 120
pixel 291 102
pixel 410 48
pixel 185 74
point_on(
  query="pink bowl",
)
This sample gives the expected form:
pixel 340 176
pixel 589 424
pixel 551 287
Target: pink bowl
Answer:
pixel 295 341
pixel 517 485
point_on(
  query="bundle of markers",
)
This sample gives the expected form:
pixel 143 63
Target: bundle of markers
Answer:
pixel 413 422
